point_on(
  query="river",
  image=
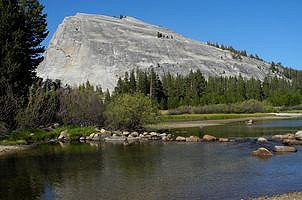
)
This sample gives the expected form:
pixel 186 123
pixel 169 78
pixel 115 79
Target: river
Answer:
pixel 155 170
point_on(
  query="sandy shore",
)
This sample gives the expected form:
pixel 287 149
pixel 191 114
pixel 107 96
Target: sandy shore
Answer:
pixel 7 149
pixel 288 196
pixel 204 123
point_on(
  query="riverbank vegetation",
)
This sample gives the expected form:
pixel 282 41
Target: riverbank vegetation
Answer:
pixel 171 92
pixel 29 105
pixel 198 117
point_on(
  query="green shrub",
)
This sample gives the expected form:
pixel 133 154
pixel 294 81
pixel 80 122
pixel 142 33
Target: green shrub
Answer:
pixel 82 107
pixel 250 106
pixel 41 109
pixel 9 106
pixel 130 111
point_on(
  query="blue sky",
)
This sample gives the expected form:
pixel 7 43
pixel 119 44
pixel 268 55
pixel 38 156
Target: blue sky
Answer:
pixel 269 28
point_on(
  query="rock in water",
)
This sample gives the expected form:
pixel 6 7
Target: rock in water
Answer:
pixel 284 149
pixel 292 142
pixel 298 135
pixel 180 139
pixel 261 140
pixel 262 152
pixel 101 49
pixel 193 139
pixel 63 135
pixel 224 139
pixel 209 138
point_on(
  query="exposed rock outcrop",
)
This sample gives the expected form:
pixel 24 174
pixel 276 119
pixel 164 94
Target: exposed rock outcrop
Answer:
pixel 101 48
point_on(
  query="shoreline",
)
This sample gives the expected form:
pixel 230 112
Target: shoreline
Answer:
pixel 286 196
pixel 205 123
pixel 8 149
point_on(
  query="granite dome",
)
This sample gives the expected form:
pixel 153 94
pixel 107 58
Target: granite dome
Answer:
pixel 101 48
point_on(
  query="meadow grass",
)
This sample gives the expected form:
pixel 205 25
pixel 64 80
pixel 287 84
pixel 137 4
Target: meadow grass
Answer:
pixel 39 135
pixel 217 116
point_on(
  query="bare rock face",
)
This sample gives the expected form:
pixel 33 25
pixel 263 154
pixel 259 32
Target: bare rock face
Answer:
pixel 101 49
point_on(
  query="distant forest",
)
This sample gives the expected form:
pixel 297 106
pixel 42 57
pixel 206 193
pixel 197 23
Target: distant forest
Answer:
pixel 171 92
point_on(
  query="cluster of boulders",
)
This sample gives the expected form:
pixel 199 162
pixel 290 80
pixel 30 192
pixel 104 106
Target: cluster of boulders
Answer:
pixel 127 136
pixel 205 138
pixel 117 136
pixel 289 141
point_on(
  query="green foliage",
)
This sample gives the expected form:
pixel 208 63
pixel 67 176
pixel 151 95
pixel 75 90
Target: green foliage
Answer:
pixel 22 29
pixel 130 111
pixel 82 106
pixel 219 116
pixel 75 131
pixel 42 107
pixel 193 90
pixel 9 107
pixel 250 106
pixel 49 103
pixel 236 54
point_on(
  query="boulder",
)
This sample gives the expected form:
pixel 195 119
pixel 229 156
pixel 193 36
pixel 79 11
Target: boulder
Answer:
pixel 125 133
pixel 154 134
pixel 56 125
pixel 134 134
pixel 116 139
pixel 223 140
pixel 165 139
pixel 261 140
pixel 147 137
pixel 284 149
pixel 83 138
pixel 145 133
pixel 298 135
pixel 292 142
pixel 288 136
pixel 63 135
pixel 250 122
pixel 180 139
pixel 155 137
pixel 193 139
pixel 90 137
pixel 163 134
pixel 103 131
pixel 262 152
pixel 209 138
pixel 132 139
pixel 97 137
pixel 117 133
pixel 277 137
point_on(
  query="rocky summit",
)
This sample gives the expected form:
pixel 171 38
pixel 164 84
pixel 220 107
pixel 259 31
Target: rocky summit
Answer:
pixel 101 49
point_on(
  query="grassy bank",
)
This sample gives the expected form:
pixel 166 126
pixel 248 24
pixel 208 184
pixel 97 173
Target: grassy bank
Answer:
pixel 19 137
pixel 218 116
pixel 29 136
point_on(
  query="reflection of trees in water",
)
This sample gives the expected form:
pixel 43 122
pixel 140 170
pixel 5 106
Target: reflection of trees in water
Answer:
pixel 69 171
pixel 135 160
pixel 25 176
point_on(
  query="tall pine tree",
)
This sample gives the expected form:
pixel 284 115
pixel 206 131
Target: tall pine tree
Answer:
pixel 22 29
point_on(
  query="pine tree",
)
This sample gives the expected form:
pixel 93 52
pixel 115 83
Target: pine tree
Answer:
pixel 22 29
pixel 132 82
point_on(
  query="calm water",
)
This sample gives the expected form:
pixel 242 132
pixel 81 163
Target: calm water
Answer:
pixel 148 171
pixel 241 129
